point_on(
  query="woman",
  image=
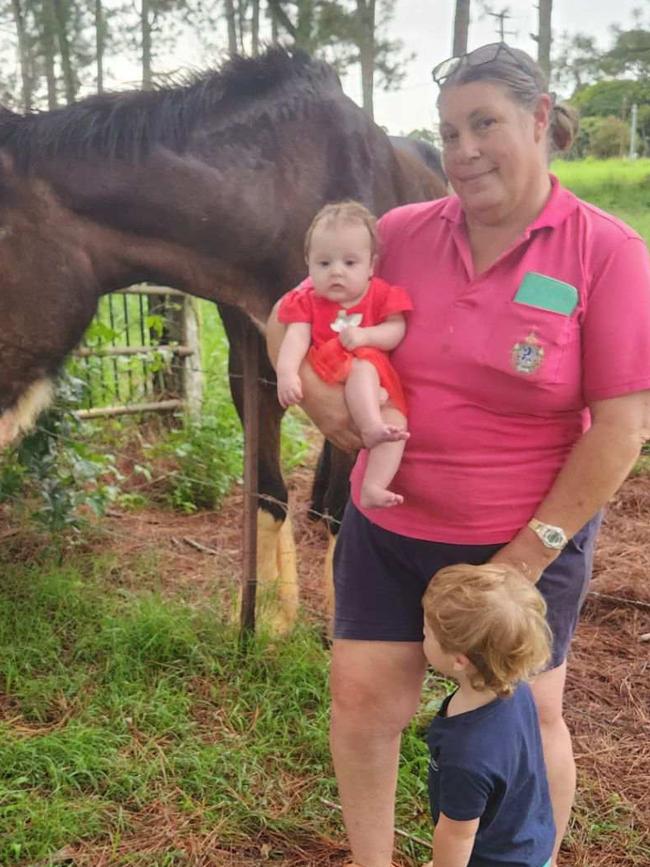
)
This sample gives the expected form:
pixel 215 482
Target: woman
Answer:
pixel 526 366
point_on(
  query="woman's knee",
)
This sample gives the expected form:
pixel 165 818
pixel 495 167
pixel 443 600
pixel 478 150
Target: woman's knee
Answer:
pixel 369 695
pixel 548 691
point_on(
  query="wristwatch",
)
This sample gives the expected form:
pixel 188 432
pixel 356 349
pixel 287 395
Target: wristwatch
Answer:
pixel 549 536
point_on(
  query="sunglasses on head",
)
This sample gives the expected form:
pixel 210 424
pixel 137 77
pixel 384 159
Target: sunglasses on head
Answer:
pixel 478 57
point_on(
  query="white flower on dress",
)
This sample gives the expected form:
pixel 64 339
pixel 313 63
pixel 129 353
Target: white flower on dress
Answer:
pixel 346 320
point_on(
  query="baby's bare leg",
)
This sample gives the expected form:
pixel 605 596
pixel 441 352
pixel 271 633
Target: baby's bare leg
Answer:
pixel 362 395
pixel 383 462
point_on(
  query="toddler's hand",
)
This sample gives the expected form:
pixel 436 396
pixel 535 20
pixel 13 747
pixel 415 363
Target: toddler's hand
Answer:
pixel 289 390
pixel 353 337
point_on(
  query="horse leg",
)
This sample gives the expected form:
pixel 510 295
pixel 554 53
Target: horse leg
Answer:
pixel 330 493
pixel 276 555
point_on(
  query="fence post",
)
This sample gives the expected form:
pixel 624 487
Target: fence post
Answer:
pixel 192 367
pixel 251 447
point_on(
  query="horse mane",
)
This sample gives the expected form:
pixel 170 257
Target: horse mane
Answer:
pixel 126 125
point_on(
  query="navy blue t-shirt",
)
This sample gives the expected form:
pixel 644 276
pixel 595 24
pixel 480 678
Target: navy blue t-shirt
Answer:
pixel 488 763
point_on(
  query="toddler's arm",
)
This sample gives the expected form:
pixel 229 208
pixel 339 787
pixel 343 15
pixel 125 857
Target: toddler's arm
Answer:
pixel 387 335
pixel 453 842
pixel 293 349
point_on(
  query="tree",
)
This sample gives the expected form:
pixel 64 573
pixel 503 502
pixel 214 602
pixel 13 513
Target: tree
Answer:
pixel 23 54
pixel 577 63
pixel 544 36
pixel 630 54
pixel 461 28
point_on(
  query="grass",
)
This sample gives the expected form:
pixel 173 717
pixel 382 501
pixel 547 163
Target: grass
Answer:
pixel 120 708
pixel 619 186
pixel 119 702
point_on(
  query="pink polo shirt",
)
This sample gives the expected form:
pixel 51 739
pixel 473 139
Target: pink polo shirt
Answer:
pixel 497 389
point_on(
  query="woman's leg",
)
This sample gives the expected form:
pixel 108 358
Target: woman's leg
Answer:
pixel 375 691
pixel 548 689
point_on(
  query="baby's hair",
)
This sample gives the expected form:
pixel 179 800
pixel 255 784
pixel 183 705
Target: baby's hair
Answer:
pixel 493 616
pixel 348 212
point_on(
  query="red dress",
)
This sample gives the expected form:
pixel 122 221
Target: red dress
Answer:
pixel 327 355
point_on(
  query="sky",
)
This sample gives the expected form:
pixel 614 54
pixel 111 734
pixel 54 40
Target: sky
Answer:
pixel 425 27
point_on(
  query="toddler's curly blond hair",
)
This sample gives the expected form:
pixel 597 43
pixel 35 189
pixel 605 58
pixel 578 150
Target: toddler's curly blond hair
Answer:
pixel 493 616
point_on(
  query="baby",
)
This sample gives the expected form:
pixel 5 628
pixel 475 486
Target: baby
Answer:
pixel 345 321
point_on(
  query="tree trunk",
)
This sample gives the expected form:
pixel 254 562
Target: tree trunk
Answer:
pixel 255 28
pixel 232 27
pixel 544 36
pixel 47 41
pixel 64 50
pixel 274 23
pixel 99 44
pixel 366 16
pixel 23 52
pixel 145 27
pixel 461 28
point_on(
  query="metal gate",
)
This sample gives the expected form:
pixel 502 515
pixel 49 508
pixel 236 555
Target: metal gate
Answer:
pixel 140 354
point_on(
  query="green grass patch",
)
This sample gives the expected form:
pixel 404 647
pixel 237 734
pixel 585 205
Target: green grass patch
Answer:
pixel 118 701
pixel 621 187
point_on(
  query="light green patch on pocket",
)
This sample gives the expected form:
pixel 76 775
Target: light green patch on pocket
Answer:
pixel 547 293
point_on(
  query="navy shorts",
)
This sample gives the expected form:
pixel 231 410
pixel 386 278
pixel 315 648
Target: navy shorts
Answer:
pixel 380 578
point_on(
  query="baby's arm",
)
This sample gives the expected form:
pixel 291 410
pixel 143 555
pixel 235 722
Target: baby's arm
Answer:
pixel 293 349
pixel 453 842
pixel 387 335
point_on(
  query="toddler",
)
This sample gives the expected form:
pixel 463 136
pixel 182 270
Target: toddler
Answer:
pixel 345 321
pixel 485 627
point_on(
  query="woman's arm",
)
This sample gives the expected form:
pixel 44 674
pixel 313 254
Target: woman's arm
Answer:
pixel 595 469
pixel 293 350
pixel 324 404
pixel 387 335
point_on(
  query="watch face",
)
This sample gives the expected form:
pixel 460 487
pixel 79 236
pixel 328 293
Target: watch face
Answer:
pixel 554 538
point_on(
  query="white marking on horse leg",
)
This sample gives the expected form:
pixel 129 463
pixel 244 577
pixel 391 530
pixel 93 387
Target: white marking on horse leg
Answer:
pixel 276 573
pixel 22 416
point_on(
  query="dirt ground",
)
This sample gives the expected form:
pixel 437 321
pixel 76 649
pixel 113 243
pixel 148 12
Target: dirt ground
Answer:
pixel 608 690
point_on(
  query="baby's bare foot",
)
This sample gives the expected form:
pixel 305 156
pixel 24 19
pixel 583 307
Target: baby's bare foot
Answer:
pixel 376 497
pixel 383 433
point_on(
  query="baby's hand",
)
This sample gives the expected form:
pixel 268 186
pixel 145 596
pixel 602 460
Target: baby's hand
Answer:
pixel 289 390
pixel 353 337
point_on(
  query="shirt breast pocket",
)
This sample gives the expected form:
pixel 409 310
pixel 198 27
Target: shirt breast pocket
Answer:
pixel 528 344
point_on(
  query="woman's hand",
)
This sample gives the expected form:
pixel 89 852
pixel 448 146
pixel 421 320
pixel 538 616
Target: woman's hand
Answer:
pixel 526 553
pixel 324 404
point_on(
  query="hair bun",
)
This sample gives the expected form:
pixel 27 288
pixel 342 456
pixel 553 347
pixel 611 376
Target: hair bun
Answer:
pixel 564 126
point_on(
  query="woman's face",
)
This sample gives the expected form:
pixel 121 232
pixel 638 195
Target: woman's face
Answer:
pixel 494 151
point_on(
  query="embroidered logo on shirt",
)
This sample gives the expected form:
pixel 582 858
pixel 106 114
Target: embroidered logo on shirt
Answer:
pixel 527 355
pixel 346 320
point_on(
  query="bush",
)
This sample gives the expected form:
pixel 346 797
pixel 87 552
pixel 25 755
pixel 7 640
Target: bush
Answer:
pixel 53 473
pixel 609 137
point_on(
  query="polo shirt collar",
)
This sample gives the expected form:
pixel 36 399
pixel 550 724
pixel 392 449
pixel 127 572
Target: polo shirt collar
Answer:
pixel 561 203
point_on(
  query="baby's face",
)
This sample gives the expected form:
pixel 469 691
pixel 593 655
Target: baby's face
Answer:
pixel 340 261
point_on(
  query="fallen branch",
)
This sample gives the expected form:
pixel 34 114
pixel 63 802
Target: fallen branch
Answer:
pixel 200 546
pixel 623 600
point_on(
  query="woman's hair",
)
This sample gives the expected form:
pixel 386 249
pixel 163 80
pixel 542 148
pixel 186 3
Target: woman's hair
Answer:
pixel 346 212
pixel 525 82
pixel 493 616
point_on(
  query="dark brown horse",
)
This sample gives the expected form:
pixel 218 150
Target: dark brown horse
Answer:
pixel 206 187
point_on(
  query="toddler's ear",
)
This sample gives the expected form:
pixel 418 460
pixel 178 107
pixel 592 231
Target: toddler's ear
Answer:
pixel 461 662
